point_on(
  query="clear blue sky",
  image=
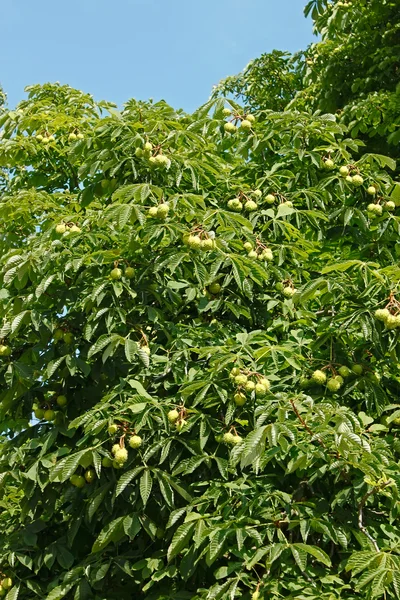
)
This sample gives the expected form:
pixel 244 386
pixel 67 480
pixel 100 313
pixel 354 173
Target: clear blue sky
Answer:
pixel 116 50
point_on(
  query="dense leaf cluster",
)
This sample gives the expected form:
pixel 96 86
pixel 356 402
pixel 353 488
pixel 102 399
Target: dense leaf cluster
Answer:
pixel 199 358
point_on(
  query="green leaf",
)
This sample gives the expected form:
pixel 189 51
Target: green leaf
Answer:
pixel 145 486
pixel 181 536
pixel 126 479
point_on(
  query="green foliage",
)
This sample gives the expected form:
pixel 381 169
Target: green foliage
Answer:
pixel 352 70
pixel 192 454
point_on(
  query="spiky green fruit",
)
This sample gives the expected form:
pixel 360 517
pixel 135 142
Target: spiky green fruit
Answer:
pixel 5 350
pixel 148 147
pixel 270 199
pixel 250 386
pixel 237 439
pixel 80 136
pixel 129 272
pixel 349 179
pixel 339 378
pixel 319 377
pixel 45 140
pixel 39 413
pixel 357 180
pixel 116 273
pixel 239 398
pixel 214 288
pixel 68 337
pixel 228 438
pixel 344 371
pixel 333 385
pixel 77 481
pixel 39 137
pixel 257 193
pixel 235 205
pixel 265 382
pixel 250 206
pixel 152 212
pixel 289 291
pixel 112 430
pixel 7 583
pixel 344 171
pixel 288 203
pixel 49 415
pixel 248 246
pixel 329 164
pixel 226 112
pixel 173 415
pixel 250 118
pixel 135 441
pixel 371 190
pixel 115 449
pixel 121 456
pixel 61 400
pixel 267 254
pixel 252 254
pixel 389 206
pixel 58 334
pixel 75 229
pixel 261 389
pixel 234 371
pixel 304 382
pixel 230 127
pixel 207 244
pixel 163 210
pixel 357 369
pixel 139 152
pixel 241 379
pixel 90 475
pixel 375 209
pixel 117 465
pixel 194 242
pixel 106 462
pixel 255 595
pixel 161 160
pixel 180 424
pixel 382 314
pixel 61 228
pixel 245 125
pixel 392 322
pixel 72 136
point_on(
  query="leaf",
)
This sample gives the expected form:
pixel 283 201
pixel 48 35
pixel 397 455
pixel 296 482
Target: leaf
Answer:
pixel 131 350
pixel 60 591
pixel 318 553
pixel 13 593
pixel 125 480
pixel 254 445
pixel 180 539
pixel 146 484
pixel 102 342
pixel 139 388
pixel 112 532
pixel 53 365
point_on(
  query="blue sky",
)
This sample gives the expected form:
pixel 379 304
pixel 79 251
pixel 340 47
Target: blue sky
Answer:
pixel 171 49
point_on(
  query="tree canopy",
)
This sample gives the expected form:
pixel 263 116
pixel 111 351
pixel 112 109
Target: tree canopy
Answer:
pixel 352 70
pixel 199 358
